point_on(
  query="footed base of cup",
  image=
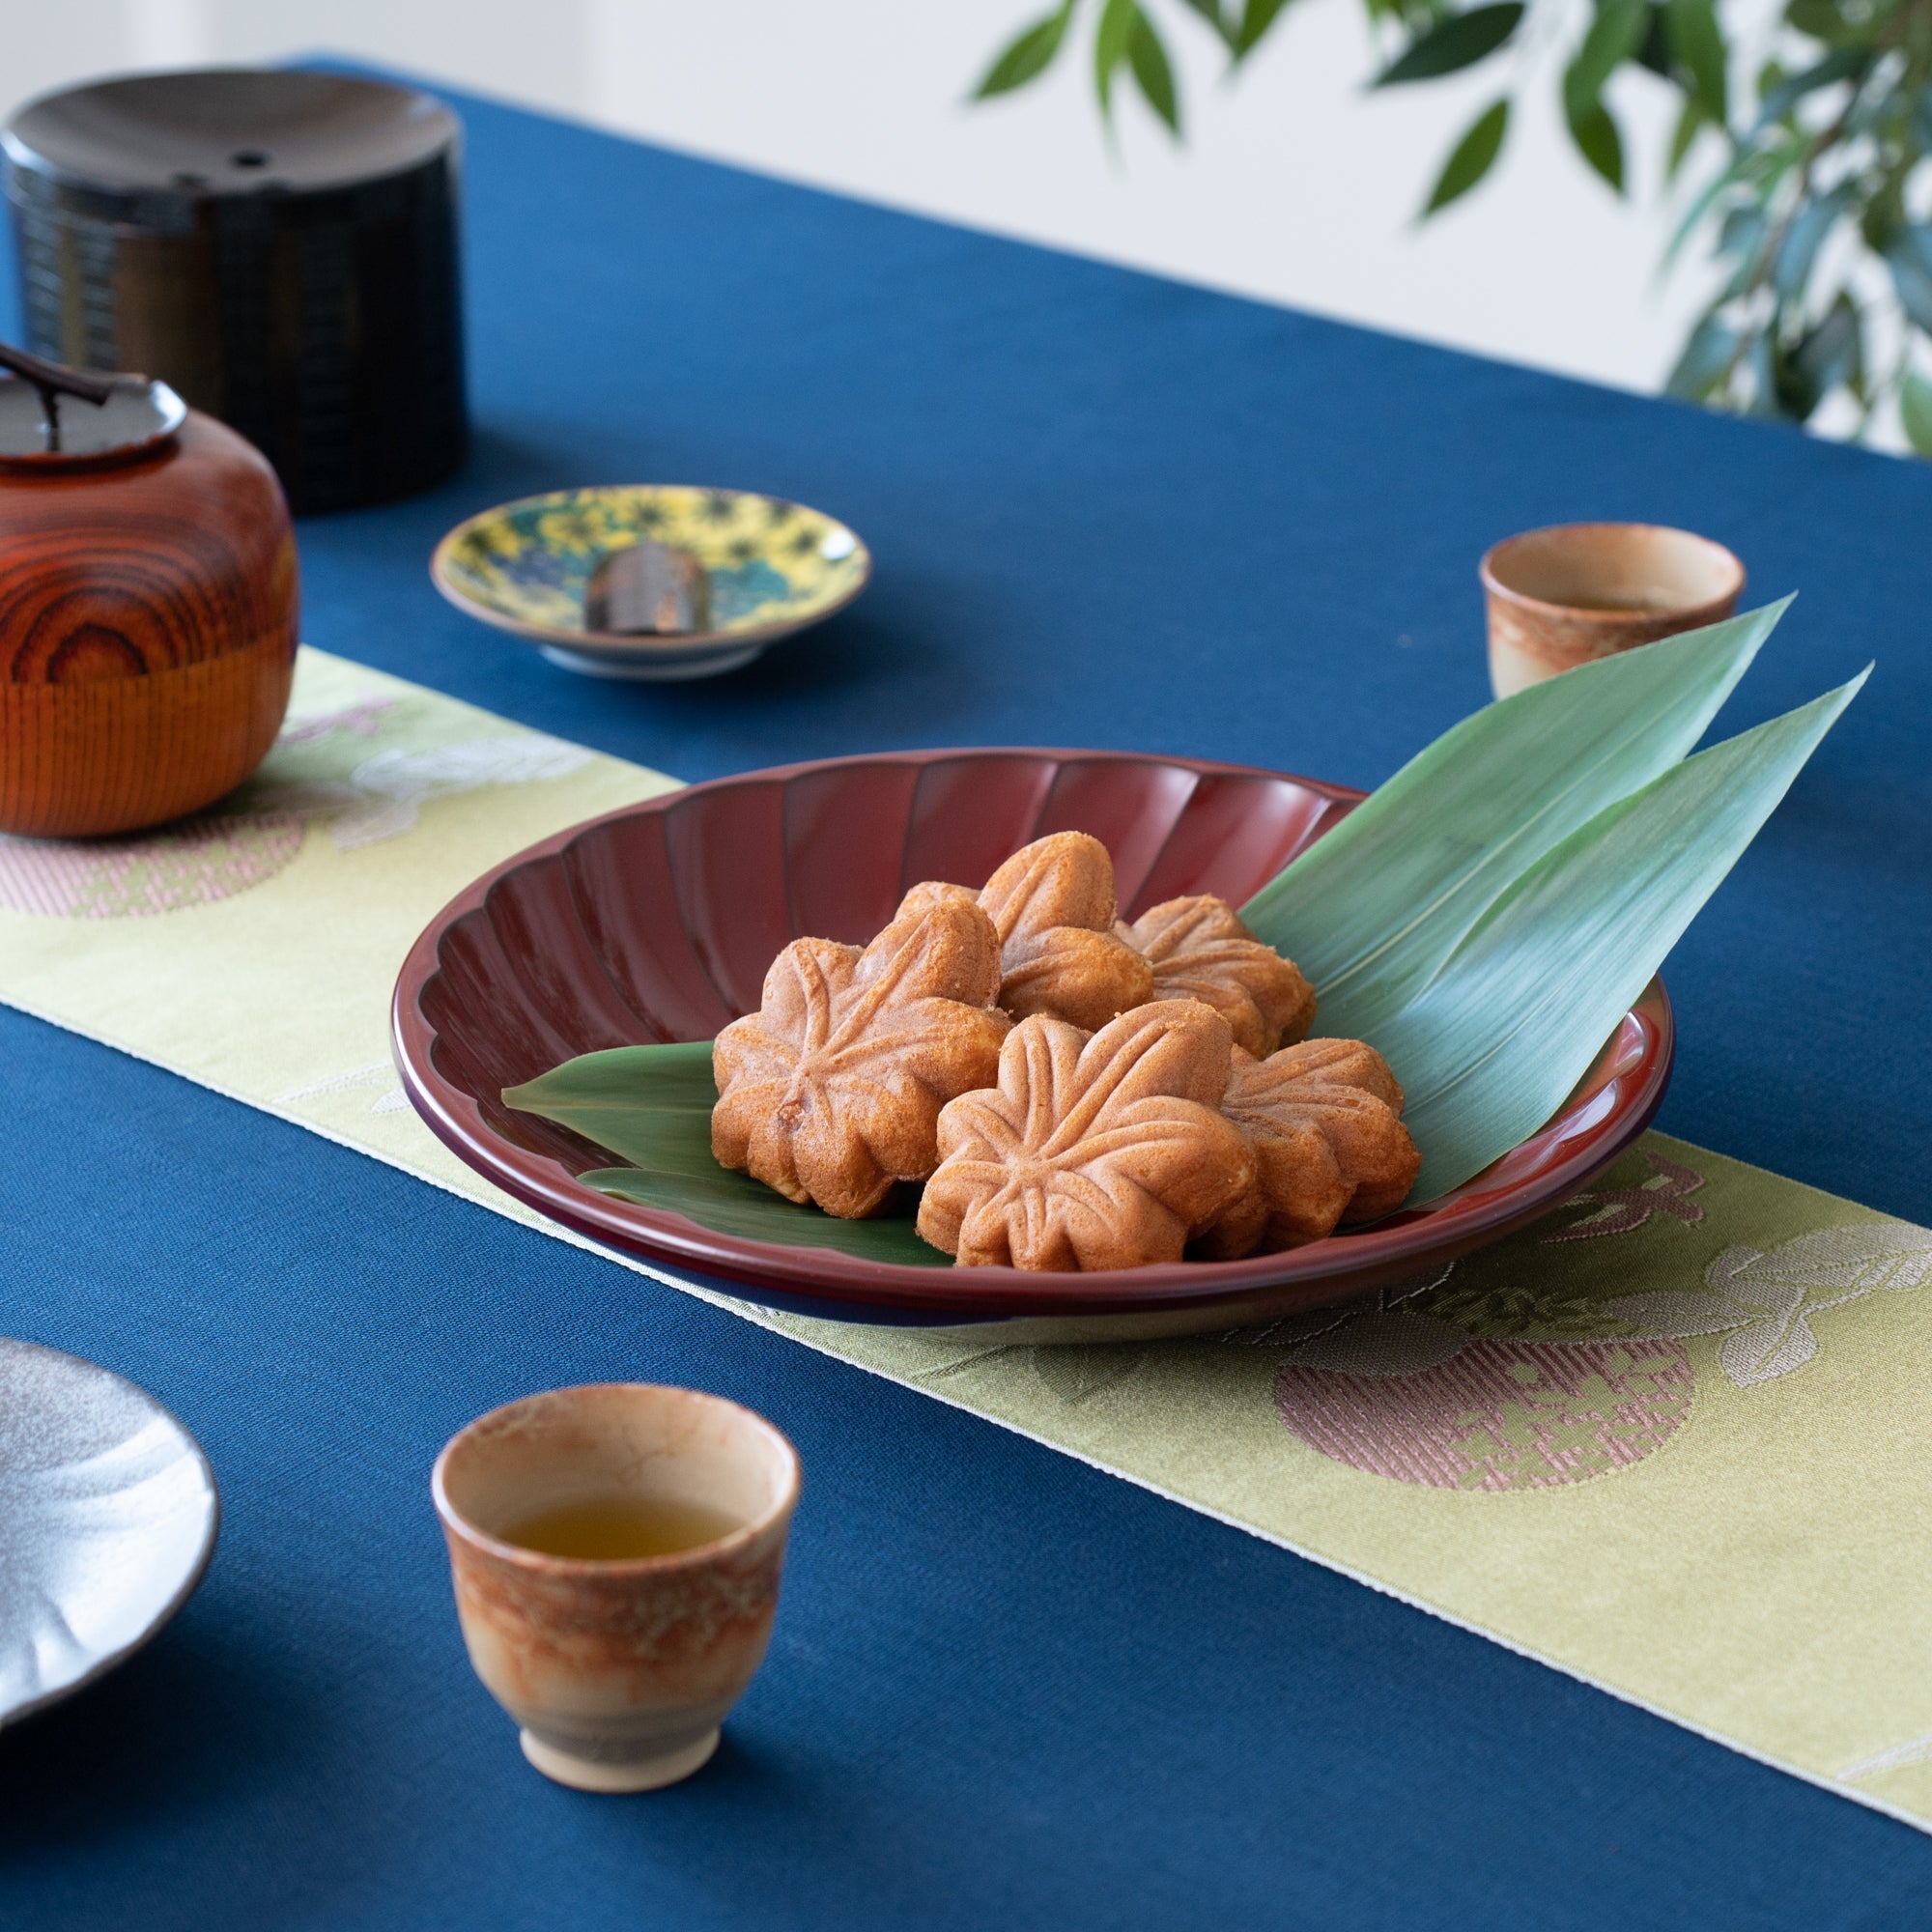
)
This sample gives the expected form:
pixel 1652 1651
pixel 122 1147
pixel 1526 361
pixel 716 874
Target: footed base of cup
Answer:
pixel 637 1774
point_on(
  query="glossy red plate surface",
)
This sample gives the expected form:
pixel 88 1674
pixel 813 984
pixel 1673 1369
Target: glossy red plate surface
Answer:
pixel 657 922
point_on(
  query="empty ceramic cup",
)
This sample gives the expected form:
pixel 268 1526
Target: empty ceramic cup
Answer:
pixel 616 1551
pixel 1559 597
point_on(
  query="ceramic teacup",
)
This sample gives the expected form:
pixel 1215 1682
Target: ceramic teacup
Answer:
pixel 1562 596
pixel 618 1671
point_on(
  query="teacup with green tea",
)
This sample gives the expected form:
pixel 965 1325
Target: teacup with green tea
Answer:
pixel 616 1551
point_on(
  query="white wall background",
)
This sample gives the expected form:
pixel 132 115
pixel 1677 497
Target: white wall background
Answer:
pixel 1294 183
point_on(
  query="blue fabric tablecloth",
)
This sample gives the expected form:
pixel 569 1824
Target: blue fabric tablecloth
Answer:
pixel 1006 1690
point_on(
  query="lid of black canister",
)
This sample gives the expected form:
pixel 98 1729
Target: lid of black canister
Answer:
pixel 228 130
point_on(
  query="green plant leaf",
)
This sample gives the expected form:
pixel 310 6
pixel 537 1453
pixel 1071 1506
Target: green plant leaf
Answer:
pixel 651 1105
pixel 1110 49
pixel 1371 909
pixel 1705 361
pixel 1027 55
pixel 1834 352
pixel 1456 42
pixel 1599 142
pixel 1828 20
pixel 1691 123
pixel 1653 51
pixel 1743 237
pixel 1796 393
pixel 1472 156
pixel 1766 396
pixel 1211 12
pixel 1490 1047
pixel 1257 17
pixel 1697 45
pixel 1757 170
pixel 1614 36
pixel 1148 59
pixel 1909 260
pixel 1914 409
pixel 1803 237
pixel 1780 95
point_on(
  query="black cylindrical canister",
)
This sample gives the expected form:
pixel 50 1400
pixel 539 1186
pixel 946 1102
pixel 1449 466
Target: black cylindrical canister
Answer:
pixel 279 247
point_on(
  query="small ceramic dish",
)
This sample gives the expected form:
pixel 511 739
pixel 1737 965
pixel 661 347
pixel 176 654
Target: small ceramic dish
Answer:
pixel 109 1512
pixel 773 568
pixel 658 921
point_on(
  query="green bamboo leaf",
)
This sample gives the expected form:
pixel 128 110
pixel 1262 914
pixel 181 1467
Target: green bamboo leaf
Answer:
pixel 1914 409
pixel 651 1106
pixel 1697 45
pixel 1148 59
pixel 1110 49
pixel 1026 56
pixel 1257 17
pixel 1614 36
pixel 1490 1047
pixel 1472 158
pixel 1371 910
pixel 1493 910
pixel 1599 142
pixel 1457 41
pixel 734 1204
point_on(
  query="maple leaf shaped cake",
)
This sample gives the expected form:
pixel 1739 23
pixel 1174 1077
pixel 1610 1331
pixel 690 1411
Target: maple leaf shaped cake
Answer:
pixel 1052 904
pixel 1325 1119
pixel 832 1089
pixel 1200 950
pixel 1103 1151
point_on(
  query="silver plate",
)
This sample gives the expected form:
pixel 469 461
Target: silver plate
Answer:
pixel 108 1514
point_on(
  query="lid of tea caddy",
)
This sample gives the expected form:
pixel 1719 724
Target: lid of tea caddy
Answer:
pixel 218 131
pixel 53 417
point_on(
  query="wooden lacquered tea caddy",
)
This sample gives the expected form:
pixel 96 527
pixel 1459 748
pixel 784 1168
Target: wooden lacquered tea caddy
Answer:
pixel 148 604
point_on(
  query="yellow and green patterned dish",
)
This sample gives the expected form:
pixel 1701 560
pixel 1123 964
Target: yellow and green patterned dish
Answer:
pixel 774 566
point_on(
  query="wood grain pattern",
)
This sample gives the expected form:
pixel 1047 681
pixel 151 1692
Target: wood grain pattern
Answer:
pixel 148 618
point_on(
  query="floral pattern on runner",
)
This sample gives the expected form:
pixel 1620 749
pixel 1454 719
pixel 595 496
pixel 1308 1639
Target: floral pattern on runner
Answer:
pixel 1499 1386
pixel 383 1072
pixel 1494 1415
pixel 196 862
pixel 257 832
pixel 1622 1211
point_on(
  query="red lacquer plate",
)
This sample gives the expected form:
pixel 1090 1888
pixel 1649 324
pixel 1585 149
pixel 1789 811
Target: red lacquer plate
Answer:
pixel 657 922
